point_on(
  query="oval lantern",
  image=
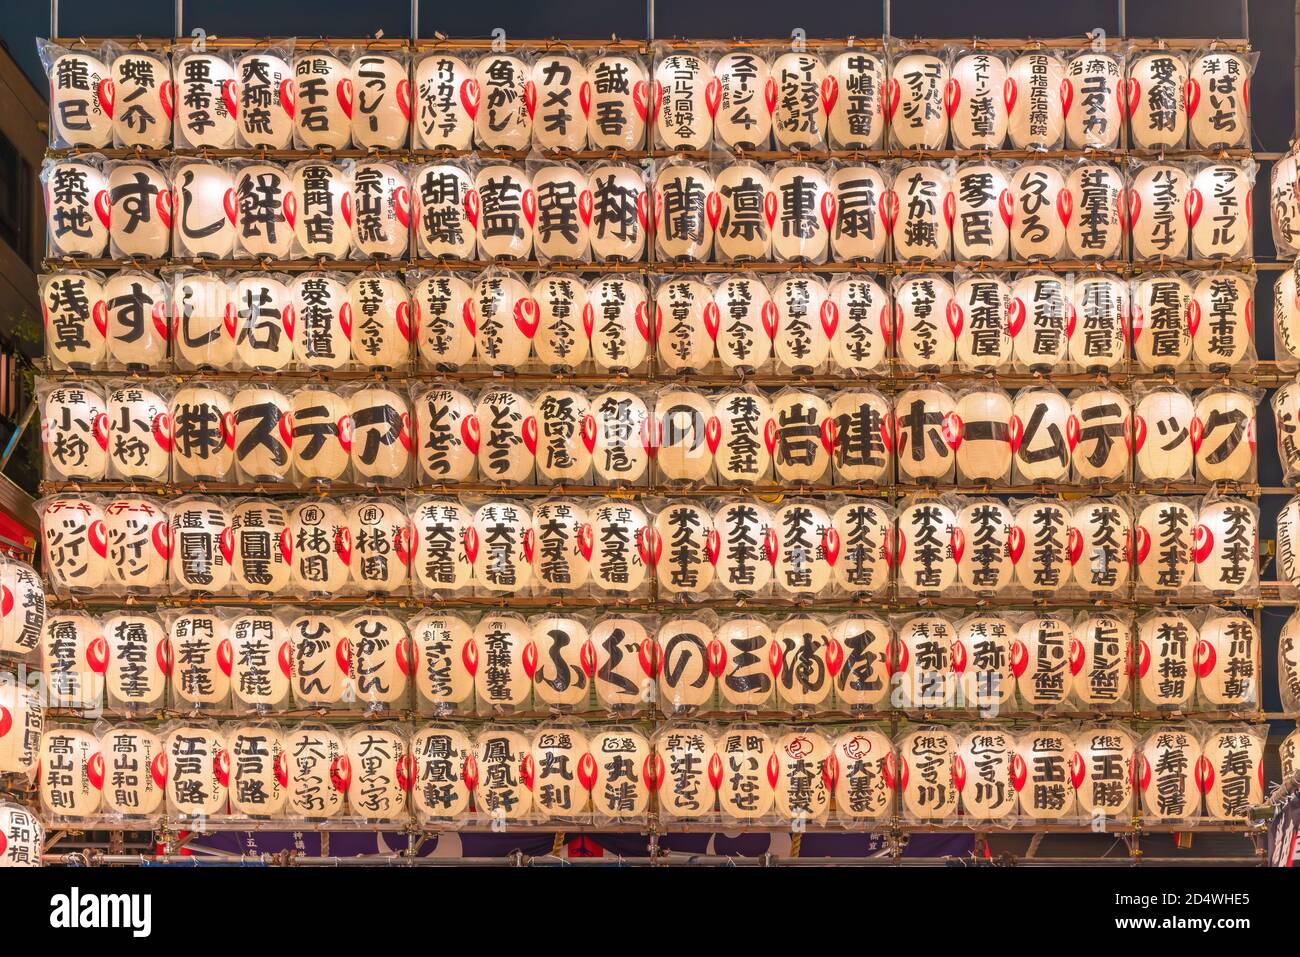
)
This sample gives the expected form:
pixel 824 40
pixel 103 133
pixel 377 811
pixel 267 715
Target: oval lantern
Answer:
pixel 321 547
pixel 807 319
pixel 440 528
pixel 748 211
pixel 447 102
pixel 926 558
pixel 323 102
pixel 1226 546
pixel 1157 83
pixel 317 773
pixel 983 432
pixel 206 210
pixel 863 682
pixel 1222 320
pixel 1223 436
pixel 322 659
pixel 626 658
pixel 444 682
pixel 75 432
pixel 926 774
pixel 564 541
pixel 1099 212
pixel 623 546
pixel 83 97
pixel 75 545
pixel 140 434
pixel 507 660
pixel 1288 542
pixel 1218 100
pixel 263 421
pixel 263 661
pixel 74 314
pixel 1099 546
pixel 681 546
pixel 925 433
pixel 620 102
pixel 1100 435
pixel 507 436
pixel 204 660
pixel 683 102
pixel 621 323
pixel 856 89
pixel 259 767
pixel 742 455
pixel 682 427
pixel 203 434
pixel 564 207
pixel 133 762
pixel 863 207
pixel 319 209
pixel 1098 324
pixel 204 322
pixel 262 195
pixel 803 97
pixel 688 653
pixel 1162 551
pixel 803 776
pixel 984 563
pixel 561 340
pixel 444 312
pixel 920 207
pixel 1041 662
pixel 502 553
pixel 1038 544
pixel 77 209
pixel 979 100
pixel 381 322
pixel 321 435
pixel 1096 101
pixel 927 322
pixel 562 90
pixel 507 98
pixel 1159 211
pixel 24 837
pixel 381 210
pixel 1161 309
pixel 140 209
pixel 1166 775
pixel 1219 211
pixel 747 546
pixel 688 209
pixel 746 790
pixel 382 659
pixel 506 317
pixel 747 94
pixel 382 545
pixel 803 564
pixel 979 318
pixel 686 324
pixel 864 764
pixel 746 681
pixel 72 773
pixel 747 323
pixel 620 452
pixel 266 101
pixel 982 656
pixel 806 663
pixel 73 661
pixel 620 212
pixel 863 324
pixel 1041 209
pixel 1103 767
pixel 563 768
pixel 982 770
pixel 686 770
pixel 1284 209
pixel 1035 87
pixel 1231 773
pixel 448 435
pixel 22 613
pixel 263 342
pixel 564 656
pixel 984 210
pixel 20 744
pixel 622 786
pixel 805 437
pixel 1166 645
pixel 1227 663
pixel 381 115
pixel 1038 319
pixel 206 101
pixel 381 435
pixel 917 108
pixel 1162 435
pixel 1042 774
pixel 139 544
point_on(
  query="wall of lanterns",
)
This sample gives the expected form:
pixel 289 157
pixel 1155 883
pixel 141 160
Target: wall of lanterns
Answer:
pixel 651 436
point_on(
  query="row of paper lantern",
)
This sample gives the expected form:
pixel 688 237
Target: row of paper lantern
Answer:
pixel 378 434
pixel 443 663
pixel 972 775
pixel 929 546
pixel 697 212
pixel 332 98
pixel 801 323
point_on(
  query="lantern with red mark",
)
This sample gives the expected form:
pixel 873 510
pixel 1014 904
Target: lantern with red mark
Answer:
pixel 71 774
pixel 381 116
pixel 687 321
pixel 381 211
pixel 981 431
pixel 1099 216
pixel 681 425
pixel 445 320
pixel 1041 662
pixel 863 449
pixel 22 608
pixel 1099 548
pixel 982 657
pixel 565 768
pixel 1162 545
pixel 320 321
pixel 504 547
pixel 620 423
pixel 626 659
pixel 323 101
pixel 982 772
pixel 76 544
pixel 1157 83
pixel 977 320
pixel 749 203
pixel 506 320
pixel 683 101
pixel 862 683
pixel 1041 773
pixel 74 430
pixel 926 322
pixel 383 545
pixel 443 665
pixel 923 207
pixel 265 110
pixel 562 341
pixel 984 564
pixel 804 95
pixel 856 89
pixel 1038 544
pixel 744 419
pixel 803 663
pixel 620 102
pixel 747 323
pixel 319 208
pixel 925 776
pixel 863 760
pixel 505 102
pixel 1225 547
pixel 1161 211
pixel 1160 321
pixel 317 772
pixel 382 436
pixel 1101 435
pixel 1218 100
pixel 1167 774
pixel 1104 761
pixel 1036 113
pixel 74 313
pixel 984 212
pixel 1038 320
pixel 506 774
pixel 1222 434
pixel 566 662
pixel 83 97
pixel 564 208
pixel 444 211
pixel 750 773
pixel 262 662
pixel 443 766
pixel 1163 660
pixel 688 210
pixel 321 428
pixel 865 530
pixel 922 658
pixel 923 448
pixel 1227 663
pixel 685 529
pixel 623 324
pixel 74 658
pixel 206 101
pixel 77 207
pixel 320 547
pixel 139 544
pixel 916 106
pixel 980 96
pixel 447 102
pixel 135 770
pixel 202 545
pixel 1097 323
pixel 507 436
pixel 198 771
pixel 380 324
pixel 1223 336
pixel 1094 95
pixel 565 543
pixel 259 770
pixel 448 435
pixel 203 659
pixel 804 775
pixel 140 208
pixel 1041 210
pixel 746 547
pixel 1042 450
pixel 619 211
pixel 864 210
pixel 382 771
pixel 688 771
pixel 206 210
pixel 139 660
pixel 805 213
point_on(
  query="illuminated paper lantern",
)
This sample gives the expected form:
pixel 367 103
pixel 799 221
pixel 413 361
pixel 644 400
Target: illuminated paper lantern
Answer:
pixel 566 661
pixel 1097 326
pixel 264 115
pixel 746 680
pixel 502 209
pixel 444 311
pixel 83 99
pixel 1161 307
pixel 747 93
pixel 564 541
pixel 1284 213
pixel 564 212
pixel 925 432
pixel 381 210
pixel 979 101
pixel 207 210
pixel 620 100
pixel 22 607
pixel 745 423
pixel 803 566
pixel 73 661
pixel 1162 436
pixel 621 454
pixel 1100 435
pixel 982 658
pixel 1038 321
pixel 1041 660
pixel 1166 643
pixel 1161 218
pixel 322 434
pixel 264 424
pixel 72 773
pixel 507 436
pixel 687 770
pixel 140 434
pixel 380 322
pixel 203 434
pixel 863 450
pixel 140 211
pixel 984 210
pixel 749 204
pixel 259 770
pixel 263 546
pixel 76 545
pixel 805 437
pixel 1103 769
pixel 684 531
pixel 447 102
pixel 24 837
pixel 750 770
pixel 982 772
pixel 682 421
pixel 135 773
pixel 1223 436
pixel 562 90
pixel 139 543
pixel 1227 662
pixel 688 209
pixel 1041 209
pixel 382 435
pixel 1221 320
pixel 1156 101
pixel 746 547
pixel 1166 775
pixel 200 644
pixel 263 663
pixel 919 209
pixel 504 775
pixel 448 435
pixel 1289 753
pixel 1162 555
pixel 1095 100
pixel 1036 115
pixel 1225 546
pixel 381 115
pixel 626 664
pixel 690 660
pixel 686 323
pixel 806 664
pixel 507 659
pixel 684 99
pixel 747 320
pixel 979 317
pixel 862 216
pixel 319 772
pixel 1042 774
pixel 803 98
pixel 926 762
pixel 319 209
pixel 507 98
pixel 323 101
pixel 1099 215
pixel 23 711
pixel 923 656
pixel 916 108
pixel 507 317
pixel 984 564
pixel 1218 100
pixel 502 547
pixel 207 101
pixel 927 322
pixel 263 317
pixel 856 112
pixel 863 682
pixel 865 530
pixel 865 775
pixel 621 324
pixel 807 319
pixel 382 545
pixel 77 208
pixel 322 660
pixel 381 773
pixel 565 771
pixel 263 193
pixel 982 430
pixel 204 323
pixel 1231 773
pixel 562 341
pixel 441 210
pixel 1039 546
pixel 74 314
pixel 1099 546
pixel 1219 211
pixel 1038 433
pixel 1288 542
pixel 322 547
pixel 803 778
pixel 440 529
pixel 139 661
pixel 441 757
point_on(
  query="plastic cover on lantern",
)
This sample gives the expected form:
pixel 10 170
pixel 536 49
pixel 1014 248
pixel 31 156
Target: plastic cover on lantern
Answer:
pixel 562 341
pixel 140 210
pixel 979 318
pixel 1288 543
pixel 620 211
pixel 747 204
pixel 806 437
pixel 984 772
pixel 507 436
pixel 317 777
pixel 73 662
pixel 382 435
pixel 805 213
pixel 319 208
pixel 687 210
pixel 1160 321
pixel 1039 544
pixel 1288 664
pixel 443 304
pixel 1166 769
pixel 77 206
pixel 747 546
pixel 1284 205
pixel 74 429
pixel 1222 321
pixel 680 431
pixel 926 323
pixel 627 663
pixel 856 93
pixel 381 660
pixel 383 107
pixel 137 324
pixel 1104 764
pixel 72 774
pixel 382 322
pixel 1094 101
pixel 564 208
pixel 746 791
pixel 864 766
pixel 198 770
pixel 264 201
pixel 139 662
pixel 746 682
pixel 687 322
pixel 806 541
pixel 507 660
pixel 135 773
pixel 686 771
pixel 1041 208
pixel 75 543
pixel 1161 210
pixel 205 320
pixel 446 101
pixel 1232 770
pixel 203 433
pixel 1042 659
pixel 20 744
pixel 1223 435
pixel 926 775
pixel 1100 434
pixel 684 99
pixel 1038 320
pixel 564 543
pixel 1157 100
pixel 507 100
pixel 23 610
pixel 622 323
pixel 565 771
pixel 1162 432
pixel 199 641
pixel 807 319
pixel 1286 320
pixel 863 683
pixel 74 315
pixel 683 546
pixel 804 96
pixel 983 435
pixel 443 679
pixel 620 100
pixel 381 210
pixel 1040 419
pixel 743 438
pixel 1165 660
pixel 24 836
pixel 925 433
pixel 1219 210
pixel 566 662
pixel 746 92
pixel 1098 324
pixel 322 661
pixel 441 208
pixel 690 660
pixel 1218 99
pixel 263 320
pixel 979 99
pixel 262 655
pixel 262 549
pixel 984 211
pixel 927 546
pixel 919 208
pixel 202 545
pixel 265 110
pixel 1225 547
pixel 1099 546
pixel 205 208
pixel 139 539
pixel 83 94
pixel 982 535
pixel 864 210
pixel 506 318
pixel 323 98
pixel 259 769
pixel 1163 530
pixel 982 657
pixel 1099 211
pixel 916 106
pixel 1228 663
pixel 746 321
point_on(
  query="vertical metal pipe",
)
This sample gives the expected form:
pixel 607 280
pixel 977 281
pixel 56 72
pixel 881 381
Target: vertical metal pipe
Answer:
pixel 415 20
pixel 1296 131
pixel 1245 19
pixel 649 19
pixel 1123 17
pixel 180 19
pixel 887 17
pixel 54 18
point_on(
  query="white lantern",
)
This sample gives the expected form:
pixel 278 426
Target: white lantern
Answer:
pixel 684 101
pixel 207 210
pixel 1219 211
pixel 982 657
pixel 1042 661
pixel 506 100
pixel 1036 116
pixel 83 98
pixel 263 546
pixel 23 712
pixel 688 208
pixel 381 210
pixel 501 548
pixel 1043 774
pixel 1041 209
pixel 745 426
pixel 1218 100
pixel 1100 435
pixel 982 773
pixel 984 564
pixel 566 661
pixel 928 543
pixel 22 608
pixel 1159 211
pixel 1038 319
pixel 74 657
pixel 917 112
pixel 620 211
pixel 686 321
pixel 685 451
pixel 263 316
pixel 76 545
pixel 804 96
pixel 563 93
pixel 863 682
pixel 507 317
pixel 984 212
pixel 926 432
pixel 1227 663
pixel 620 333
pixel 262 193
pixel 747 97
pixel 203 434
pixel 805 436
pixel 926 762
pixel 318 772
pixel 323 101
pixel 140 211
pixel 139 544
pixel 75 432
pixel 382 435
pixel 690 546
pixel 382 659
pixel 746 681
pixel 1104 770
pixel 1097 326
pixel 1099 546
pixel 979 99
pixel 263 422
pixel 135 772
pixel 204 660
pixel 750 772
pixel 803 780
pixel 563 337
pixel 1157 84
pixel 444 313
pixel 140 434
pixel 381 116
pixel 747 323
pixel 860 231
pixel 856 100
pixel 807 320
pixel 22 837
pixel 804 533
pixel 1231 774
pixel 1166 774
pixel 1161 307
pixel 865 775
pixel 565 541
pixel 380 322
pixel 564 212
pixel 441 210
pixel 74 314
pixel 447 102
pixel 1162 436
pixel 1226 546
pixel 981 305
pixel 687 771
pixel 1094 98
pixel 1099 214
pixel 620 100
pixel 1221 320
pixel 1223 436
pixel 139 662
pixel 321 547
pixel 444 679
pixel 1162 551
pixel 1039 546
pixel 507 659
pixel 266 101
pixel 207 101
pixel 77 209
pixel 72 773
pixel 322 660
pixel 927 322
pixel 749 204
pixel 919 210
pixel 507 436
pixel 691 659
pixel 1166 643
pixel 321 434
pixel 259 770
pixel 382 545
pixel 319 209
pixel 566 771
pixel 204 323
pixel 263 661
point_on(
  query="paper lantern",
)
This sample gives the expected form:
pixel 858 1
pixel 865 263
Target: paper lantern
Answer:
pixel 979 313
pixel 745 424
pixel 982 772
pixel 926 762
pixel 805 438
pixel 807 662
pixel 198 772
pixel 443 666
pixel 447 102
pixel 263 546
pixel 982 657
pixel 1163 447
pixel 507 658
pixel 135 773
pixel 747 95
pixel 318 772
pixel 264 194
pixel 259 770
pixel 682 547
pixel 263 317
pixel 1223 436
pixel 984 563
pixel 565 771
pixel 1041 660
pixel 1231 774
pixel 381 115
pixel 562 341
pixel 1227 663
pixel 1288 541
pixel 1166 773
pixel 262 657
pixel 503 211
pixel 22 608
pixel 73 661
pixel 690 659
pixel 20 733
pixel 917 113
pixel 382 545
pixel 74 314
pixel 1095 101
pixel 266 101
pixel 746 680
pixel 140 210
pixel 441 208
pixel 856 109
pixel 1042 774
pixel 1218 100
pixel 864 779
pixel 622 422
pixel 322 660
pixel 1041 419
pixel 380 322
pixel 618 212
pixel 501 549
pixel 1041 208
pixel 927 322
pixel 747 323
pixel 1103 770
pixel 750 768
pixel 620 323
pixel 564 211
pixel 925 432
pixel 920 207
pixel 71 773
pixel 1038 545
pixel 564 541
pixel 322 434
pixel 1158 207
pixel 507 98
pixel 865 531
pixel 203 434
pixel 864 207
pixel 978 100
pixel 803 776
pixel 1166 642
pixel 381 210
pixel 322 547
pixel 1099 546
pixel 139 662
pixel 1157 105
pixel 323 101
pixel 627 660
pixel 24 837
pixel 687 770
pixel 748 203
pixel 807 319
pixel 566 660
pixel 684 100
pixel 923 656
pixel 507 436
pixel 1218 210
pixel 982 430
pixel 862 448
pixel 747 546
pixel 382 659
pixel 1100 435
pixel 82 100
pixel 263 423
pixel 204 323
pixel 803 97
pixel 1163 535
pixel 682 425
pixel 562 90
pixel 1035 87
pixel 984 210
pixel 620 98
pixel 77 208
pixel 207 210
pixel 319 209
pixel 206 101
pixel 140 434
pixel 76 544
pixel 803 534
pixel 506 320
pixel 863 682
pixel 1099 212
pixel 1162 337
pixel 1289 753
pixel 1284 210
pixel 688 210
pixel 139 544
pixel 805 214
pixel 447 434
pixel 1221 319
pixel 444 311
pixel 686 323
pixel 204 660
pixel 1097 326
pixel 440 528
pixel 381 435
pixel 442 758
